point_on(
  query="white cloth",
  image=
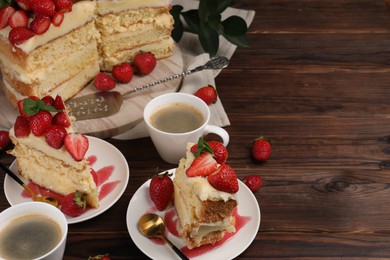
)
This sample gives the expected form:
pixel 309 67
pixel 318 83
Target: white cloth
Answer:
pixel 193 56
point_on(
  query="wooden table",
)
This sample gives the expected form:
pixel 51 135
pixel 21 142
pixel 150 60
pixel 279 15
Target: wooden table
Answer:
pixel 316 80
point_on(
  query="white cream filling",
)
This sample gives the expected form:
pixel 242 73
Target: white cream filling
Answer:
pixel 206 228
pixel 82 12
pixel 112 6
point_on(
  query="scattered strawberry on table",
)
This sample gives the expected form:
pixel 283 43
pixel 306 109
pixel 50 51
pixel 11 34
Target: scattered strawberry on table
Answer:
pixel 161 190
pixel 4 139
pixel 100 257
pixel 123 72
pixel 144 63
pixel 253 182
pixel 104 82
pixel 261 149
pixel 74 204
pixel 208 94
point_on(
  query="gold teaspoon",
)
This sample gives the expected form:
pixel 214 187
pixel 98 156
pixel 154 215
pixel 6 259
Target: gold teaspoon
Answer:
pixel 46 199
pixel 152 225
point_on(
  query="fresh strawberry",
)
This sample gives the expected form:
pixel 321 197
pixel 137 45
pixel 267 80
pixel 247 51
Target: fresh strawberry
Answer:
pixel 55 135
pixel 261 149
pixel 19 35
pixel 144 62
pixel 104 82
pixel 48 100
pixel 19 18
pixel 62 119
pixel 161 190
pixel 220 151
pixel 4 139
pixel 21 127
pixel 57 18
pixel 203 165
pixel 100 257
pixel 253 182
pixel 5 13
pixel 40 24
pixel 123 72
pixel 77 145
pixel 42 7
pixel 24 4
pixel 224 179
pixel 208 94
pixel 63 5
pixel 58 103
pixel 40 122
pixel 74 204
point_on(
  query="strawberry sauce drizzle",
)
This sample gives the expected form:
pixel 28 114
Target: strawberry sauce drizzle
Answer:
pixel 171 223
pixel 102 175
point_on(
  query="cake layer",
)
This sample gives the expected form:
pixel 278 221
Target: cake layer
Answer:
pixel 52 168
pixel 109 6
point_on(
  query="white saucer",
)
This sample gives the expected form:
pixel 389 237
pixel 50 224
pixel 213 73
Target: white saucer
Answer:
pixel 247 206
pixel 107 155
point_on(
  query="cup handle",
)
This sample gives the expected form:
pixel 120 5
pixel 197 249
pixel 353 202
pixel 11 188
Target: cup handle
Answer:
pixel 212 129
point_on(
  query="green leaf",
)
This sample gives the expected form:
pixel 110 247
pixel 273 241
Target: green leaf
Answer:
pixel 234 26
pixel 209 39
pixel 207 8
pixel 215 23
pixel 240 41
pixel 203 147
pixel 222 5
pixel 5 3
pixel 178 27
pixel 31 107
pixel 192 19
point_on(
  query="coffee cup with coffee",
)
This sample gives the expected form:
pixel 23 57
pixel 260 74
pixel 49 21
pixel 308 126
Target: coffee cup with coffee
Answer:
pixel 32 230
pixel 175 119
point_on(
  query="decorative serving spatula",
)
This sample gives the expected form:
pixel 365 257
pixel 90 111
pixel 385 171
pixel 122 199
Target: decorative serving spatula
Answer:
pixel 106 103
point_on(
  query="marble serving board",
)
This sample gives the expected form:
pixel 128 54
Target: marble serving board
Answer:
pixel 132 108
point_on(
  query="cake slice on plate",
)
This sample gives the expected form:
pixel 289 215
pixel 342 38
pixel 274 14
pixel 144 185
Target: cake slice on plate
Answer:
pixel 204 198
pixel 49 152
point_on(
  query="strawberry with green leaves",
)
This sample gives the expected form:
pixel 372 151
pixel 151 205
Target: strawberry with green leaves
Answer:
pixel 74 204
pixel 100 257
pixel 161 190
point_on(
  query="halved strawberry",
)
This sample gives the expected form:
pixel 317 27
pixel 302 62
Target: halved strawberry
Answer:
pixel 55 135
pixel 57 18
pixel 19 35
pixel 77 145
pixel 24 4
pixel 224 179
pixel 40 122
pixel 19 18
pixel 44 7
pixel 40 24
pixel 21 127
pixel 204 165
pixel 5 13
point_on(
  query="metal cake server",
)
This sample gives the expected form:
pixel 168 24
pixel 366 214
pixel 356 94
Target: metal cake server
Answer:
pixel 106 103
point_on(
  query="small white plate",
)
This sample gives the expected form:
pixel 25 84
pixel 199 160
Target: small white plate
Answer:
pixel 140 204
pixel 106 155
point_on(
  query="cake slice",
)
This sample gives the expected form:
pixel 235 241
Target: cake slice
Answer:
pixel 51 159
pixel 204 211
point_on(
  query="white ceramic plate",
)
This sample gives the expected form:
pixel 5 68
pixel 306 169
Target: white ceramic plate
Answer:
pixel 106 155
pixel 247 207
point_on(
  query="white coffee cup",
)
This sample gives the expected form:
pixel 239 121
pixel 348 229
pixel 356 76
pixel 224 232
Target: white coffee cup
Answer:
pixel 28 209
pixel 172 146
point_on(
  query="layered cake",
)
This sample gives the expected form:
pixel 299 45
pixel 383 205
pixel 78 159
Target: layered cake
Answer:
pixel 204 212
pixel 93 36
pixel 49 161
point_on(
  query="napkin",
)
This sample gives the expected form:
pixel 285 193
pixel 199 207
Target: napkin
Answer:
pixel 193 56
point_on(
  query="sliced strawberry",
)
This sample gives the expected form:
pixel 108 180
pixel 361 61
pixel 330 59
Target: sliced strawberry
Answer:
pixel 40 122
pixel 224 179
pixel 123 72
pixel 40 24
pixel 55 135
pixel 57 18
pixel 19 35
pixel 63 5
pixel 77 145
pixel 204 165
pixel 58 103
pixel 103 82
pixel 43 7
pixel 19 18
pixel 62 119
pixel 21 127
pixel 24 4
pixel 5 13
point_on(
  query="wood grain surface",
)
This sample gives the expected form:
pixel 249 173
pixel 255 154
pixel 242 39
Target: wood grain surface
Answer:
pixel 315 80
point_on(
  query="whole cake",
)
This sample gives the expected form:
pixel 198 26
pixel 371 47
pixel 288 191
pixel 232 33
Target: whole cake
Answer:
pixel 49 152
pixel 92 36
pixel 204 198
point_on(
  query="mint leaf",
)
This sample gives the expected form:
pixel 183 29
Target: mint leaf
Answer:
pixel 5 3
pixel 43 106
pixel 203 147
pixel 31 107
